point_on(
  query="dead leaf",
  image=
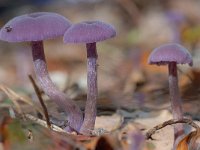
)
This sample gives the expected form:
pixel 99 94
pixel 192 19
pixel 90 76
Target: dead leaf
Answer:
pixel 103 144
pixel 12 134
pixel 190 142
pixel 194 142
pixel 183 143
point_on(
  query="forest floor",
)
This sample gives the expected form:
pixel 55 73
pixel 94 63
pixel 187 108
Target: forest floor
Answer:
pixel 133 95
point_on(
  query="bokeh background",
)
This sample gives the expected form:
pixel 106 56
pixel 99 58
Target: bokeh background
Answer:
pixel 125 79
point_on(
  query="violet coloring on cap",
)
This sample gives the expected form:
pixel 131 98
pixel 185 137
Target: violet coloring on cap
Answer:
pixel 90 32
pixel 171 55
pixel 35 28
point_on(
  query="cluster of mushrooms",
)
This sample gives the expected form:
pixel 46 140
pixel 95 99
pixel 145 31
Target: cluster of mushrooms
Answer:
pixel 36 27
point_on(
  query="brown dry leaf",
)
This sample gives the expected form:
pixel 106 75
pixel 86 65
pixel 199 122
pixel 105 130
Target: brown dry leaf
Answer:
pixel 15 135
pixel 190 142
pixel 194 140
pixel 183 143
pixel 4 133
pixel 12 135
pixel 103 144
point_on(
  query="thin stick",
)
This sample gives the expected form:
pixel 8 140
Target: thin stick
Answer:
pixel 41 101
pixel 43 123
pixel 170 122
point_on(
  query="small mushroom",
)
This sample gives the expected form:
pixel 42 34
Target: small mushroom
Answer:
pixel 35 28
pixel 90 32
pixel 171 55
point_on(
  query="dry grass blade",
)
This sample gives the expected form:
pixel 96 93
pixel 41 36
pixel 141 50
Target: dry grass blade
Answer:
pixel 12 96
pixel 43 123
pixel 15 98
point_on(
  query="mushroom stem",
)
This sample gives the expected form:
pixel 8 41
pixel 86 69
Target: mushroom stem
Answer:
pixel 90 107
pixel 75 117
pixel 175 99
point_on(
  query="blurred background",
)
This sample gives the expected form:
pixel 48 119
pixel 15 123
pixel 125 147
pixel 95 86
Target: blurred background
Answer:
pixel 125 79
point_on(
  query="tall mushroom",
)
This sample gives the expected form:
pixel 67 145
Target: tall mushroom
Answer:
pixel 171 55
pixel 90 32
pixel 35 28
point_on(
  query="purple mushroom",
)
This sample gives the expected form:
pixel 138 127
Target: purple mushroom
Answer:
pixel 90 32
pixel 171 55
pixel 35 28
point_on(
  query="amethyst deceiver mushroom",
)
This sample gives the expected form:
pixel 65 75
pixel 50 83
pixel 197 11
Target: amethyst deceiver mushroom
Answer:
pixel 35 28
pixel 171 55
pixel 90 32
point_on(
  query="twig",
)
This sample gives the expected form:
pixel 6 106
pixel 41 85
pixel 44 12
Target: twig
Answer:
pixel 41 101
pixel 170 122
pixel 42 122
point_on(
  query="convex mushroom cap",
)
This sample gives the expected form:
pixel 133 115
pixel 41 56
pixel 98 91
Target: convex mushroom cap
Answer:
pixel 170 53
pixel 34 27
pixel 89 32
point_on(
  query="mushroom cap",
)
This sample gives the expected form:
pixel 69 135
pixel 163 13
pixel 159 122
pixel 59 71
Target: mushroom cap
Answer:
pixel 170 53
pixel 89 32
pixel 34 27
